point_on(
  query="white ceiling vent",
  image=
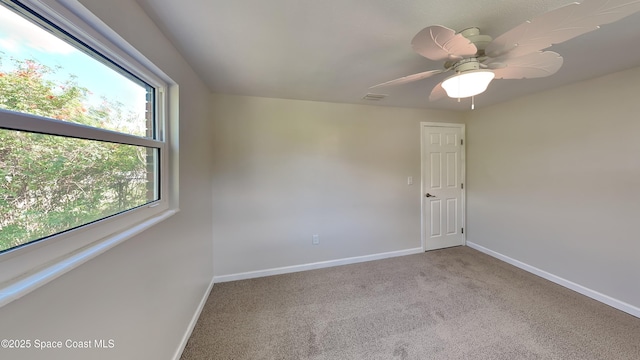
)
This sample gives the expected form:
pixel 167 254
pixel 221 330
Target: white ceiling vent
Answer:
pixel 374 97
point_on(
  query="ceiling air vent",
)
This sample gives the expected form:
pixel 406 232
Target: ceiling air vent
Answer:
pixel 374 97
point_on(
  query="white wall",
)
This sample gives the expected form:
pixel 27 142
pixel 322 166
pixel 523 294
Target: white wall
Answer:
pixel 144 292
pixel 554 181
pixel 287 169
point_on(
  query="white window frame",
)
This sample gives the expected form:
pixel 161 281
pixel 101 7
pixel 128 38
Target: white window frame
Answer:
pixel 26 268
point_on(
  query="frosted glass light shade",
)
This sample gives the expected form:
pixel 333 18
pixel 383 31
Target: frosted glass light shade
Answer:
pixel 468 83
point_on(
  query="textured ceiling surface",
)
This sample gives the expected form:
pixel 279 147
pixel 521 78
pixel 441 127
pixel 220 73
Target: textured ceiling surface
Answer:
pixel 334 50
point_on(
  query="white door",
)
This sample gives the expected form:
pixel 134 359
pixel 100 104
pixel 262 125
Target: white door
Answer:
pixel 442 185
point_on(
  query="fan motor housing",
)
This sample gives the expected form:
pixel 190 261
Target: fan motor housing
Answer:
pixel 479 40
pixel 466 65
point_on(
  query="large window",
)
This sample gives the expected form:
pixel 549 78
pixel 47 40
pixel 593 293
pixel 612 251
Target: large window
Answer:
pixel 81 134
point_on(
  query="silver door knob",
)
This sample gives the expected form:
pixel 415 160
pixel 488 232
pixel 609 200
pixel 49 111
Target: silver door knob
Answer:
pixel 429 195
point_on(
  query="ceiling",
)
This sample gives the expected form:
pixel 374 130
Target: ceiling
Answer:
pixel 334 50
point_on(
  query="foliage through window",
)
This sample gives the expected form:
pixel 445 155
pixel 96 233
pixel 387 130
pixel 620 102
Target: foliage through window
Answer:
pixel 79 136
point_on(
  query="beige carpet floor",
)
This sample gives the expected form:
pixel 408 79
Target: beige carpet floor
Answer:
pixel 447 304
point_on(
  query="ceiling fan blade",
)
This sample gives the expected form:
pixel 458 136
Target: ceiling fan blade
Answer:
pixel 410 78
pixel 560 25
pixel 441 43
pixel 534 65
pixel 437 93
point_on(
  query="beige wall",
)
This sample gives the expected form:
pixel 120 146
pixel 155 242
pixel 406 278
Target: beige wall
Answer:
pixel 144 292
pixel 287 169
pixel 554 181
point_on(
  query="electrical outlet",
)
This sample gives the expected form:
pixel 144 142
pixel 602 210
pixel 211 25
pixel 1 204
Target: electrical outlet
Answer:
pixel 315 239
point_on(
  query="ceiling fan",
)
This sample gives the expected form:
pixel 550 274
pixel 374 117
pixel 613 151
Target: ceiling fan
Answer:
pixel 477 59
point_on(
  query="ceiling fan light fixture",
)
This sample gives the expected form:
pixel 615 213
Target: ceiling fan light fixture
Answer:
pixel 468 83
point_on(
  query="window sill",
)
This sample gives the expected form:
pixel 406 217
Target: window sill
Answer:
pixel 18 287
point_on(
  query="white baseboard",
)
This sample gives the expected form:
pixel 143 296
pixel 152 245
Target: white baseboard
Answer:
pixel 313 266
pixel 620 305
pixel 192 323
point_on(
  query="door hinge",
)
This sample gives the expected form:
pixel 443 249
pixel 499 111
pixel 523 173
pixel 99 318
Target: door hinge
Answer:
pixel 462 229
pixel 461 141
pixel 462 186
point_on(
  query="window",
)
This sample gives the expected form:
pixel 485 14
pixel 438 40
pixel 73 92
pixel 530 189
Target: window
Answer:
pixel 84 150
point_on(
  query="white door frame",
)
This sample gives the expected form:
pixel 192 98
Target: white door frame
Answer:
pixel 423 228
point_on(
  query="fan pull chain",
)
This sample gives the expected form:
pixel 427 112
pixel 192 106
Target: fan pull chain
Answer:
pixel 473 103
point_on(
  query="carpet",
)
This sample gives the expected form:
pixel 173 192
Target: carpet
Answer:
pixel 454 303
